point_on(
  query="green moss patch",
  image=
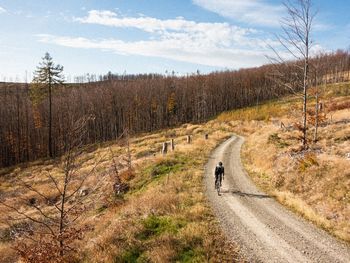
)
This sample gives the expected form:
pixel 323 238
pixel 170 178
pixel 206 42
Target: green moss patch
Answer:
pixel 157 225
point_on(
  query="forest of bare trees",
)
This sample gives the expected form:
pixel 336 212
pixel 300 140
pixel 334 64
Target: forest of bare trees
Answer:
pixel 141 103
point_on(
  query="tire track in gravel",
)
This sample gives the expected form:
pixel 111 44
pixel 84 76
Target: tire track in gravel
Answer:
pixel 265 230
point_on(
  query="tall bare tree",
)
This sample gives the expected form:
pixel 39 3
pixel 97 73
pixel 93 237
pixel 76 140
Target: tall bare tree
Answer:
pixel 297 42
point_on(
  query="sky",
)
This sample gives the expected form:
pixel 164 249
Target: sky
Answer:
pixel 149 36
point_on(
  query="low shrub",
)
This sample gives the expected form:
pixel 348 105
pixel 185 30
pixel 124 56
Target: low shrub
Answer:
pixel 277 141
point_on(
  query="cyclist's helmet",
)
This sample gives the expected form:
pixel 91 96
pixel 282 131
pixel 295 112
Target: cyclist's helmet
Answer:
pixel 220 163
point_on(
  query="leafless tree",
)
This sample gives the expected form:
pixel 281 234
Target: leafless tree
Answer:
pixel 297 42
pixel 54 217
pixel 119 187
pixel 146 103
pixel 318 70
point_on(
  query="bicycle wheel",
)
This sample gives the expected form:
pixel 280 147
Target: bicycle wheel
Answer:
pixel 218 187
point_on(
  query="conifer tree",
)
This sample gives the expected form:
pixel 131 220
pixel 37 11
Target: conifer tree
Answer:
pixel 46 77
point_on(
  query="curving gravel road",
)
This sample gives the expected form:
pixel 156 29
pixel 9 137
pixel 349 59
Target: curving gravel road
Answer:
pixel 266 231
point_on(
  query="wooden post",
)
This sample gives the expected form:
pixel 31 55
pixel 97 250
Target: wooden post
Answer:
pixel 320 106
pixel 282 125
pixel 172 145
pixel 188 139
pixel 165 148
pixel 206 136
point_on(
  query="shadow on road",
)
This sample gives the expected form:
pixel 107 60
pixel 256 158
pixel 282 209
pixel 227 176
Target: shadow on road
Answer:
pixel 242 194
pixel 261 196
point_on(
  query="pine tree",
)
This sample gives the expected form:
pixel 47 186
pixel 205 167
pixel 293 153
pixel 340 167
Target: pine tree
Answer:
pixel 47 76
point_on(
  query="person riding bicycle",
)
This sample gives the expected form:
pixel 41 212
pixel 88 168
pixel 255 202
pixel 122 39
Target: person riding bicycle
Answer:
pixel 219 173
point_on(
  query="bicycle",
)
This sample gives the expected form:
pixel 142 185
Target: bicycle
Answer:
pixel 219 175
pixel 217 186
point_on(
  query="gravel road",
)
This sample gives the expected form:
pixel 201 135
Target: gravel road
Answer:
pixel 265 230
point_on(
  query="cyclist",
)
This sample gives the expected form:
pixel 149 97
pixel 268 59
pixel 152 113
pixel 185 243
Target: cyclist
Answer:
pixel 219 173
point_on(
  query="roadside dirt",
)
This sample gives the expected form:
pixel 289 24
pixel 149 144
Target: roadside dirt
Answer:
pixel 266 231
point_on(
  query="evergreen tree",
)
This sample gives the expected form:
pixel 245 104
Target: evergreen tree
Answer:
pixel 47 76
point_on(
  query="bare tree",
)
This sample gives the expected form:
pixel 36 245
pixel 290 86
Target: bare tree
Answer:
pixel 119 187
pixel 296 41
pixel 54 218
pixel 146 103
pixel 318 67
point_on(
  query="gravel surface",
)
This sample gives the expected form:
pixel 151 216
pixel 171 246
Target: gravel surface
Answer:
pixel 265 230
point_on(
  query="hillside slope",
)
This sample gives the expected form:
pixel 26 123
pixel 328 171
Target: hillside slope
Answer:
pixel 314 183
pixel 266 231
pixel 164 217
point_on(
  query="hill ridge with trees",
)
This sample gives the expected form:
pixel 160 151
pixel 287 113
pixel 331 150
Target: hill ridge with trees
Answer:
pixel 139 104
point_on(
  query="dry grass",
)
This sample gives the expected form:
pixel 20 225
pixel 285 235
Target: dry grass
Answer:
pixel 163 218
pixel 257 113
pixel 316 184
pixel 6 255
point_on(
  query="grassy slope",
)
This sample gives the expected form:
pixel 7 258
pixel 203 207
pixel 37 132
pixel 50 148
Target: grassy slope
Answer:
pixel 163 218
pixel 315 185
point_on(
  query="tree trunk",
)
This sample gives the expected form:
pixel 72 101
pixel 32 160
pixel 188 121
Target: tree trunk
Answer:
pixel 129 152
pixel 62 213
pixel 305 88
pixel 316 112
pixel 50 118
pixel 18 127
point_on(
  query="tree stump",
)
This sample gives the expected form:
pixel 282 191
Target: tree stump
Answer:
pixel 172 145
pixel 120 188
pixel 165 148
pixel 83 192
pixel 189 139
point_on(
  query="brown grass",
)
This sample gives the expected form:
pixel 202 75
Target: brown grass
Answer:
pixel 176 197
pixel 165 216
pixel 316 184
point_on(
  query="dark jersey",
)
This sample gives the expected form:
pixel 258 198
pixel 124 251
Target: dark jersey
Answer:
pixel 219 170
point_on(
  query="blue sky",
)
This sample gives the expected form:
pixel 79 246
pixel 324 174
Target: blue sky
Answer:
pixel 142 36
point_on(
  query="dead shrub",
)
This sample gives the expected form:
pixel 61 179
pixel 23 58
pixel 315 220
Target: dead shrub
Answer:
pixel 127 175
pixel 278 180
pixel 335 106
pixel 309 160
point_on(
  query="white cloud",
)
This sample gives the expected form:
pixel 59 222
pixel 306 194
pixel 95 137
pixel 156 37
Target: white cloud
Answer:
pixel 154 25
pixel 211 44
pixel 181 49
pixel 209 33
pixel 255 12
pixel 2 10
